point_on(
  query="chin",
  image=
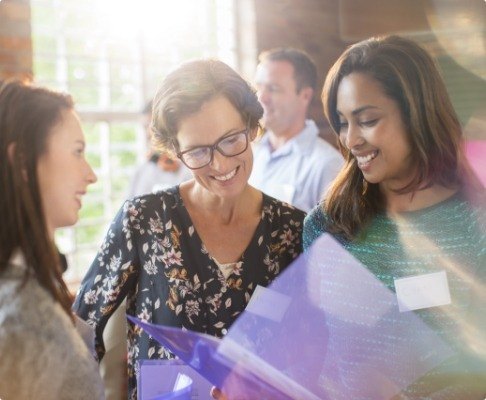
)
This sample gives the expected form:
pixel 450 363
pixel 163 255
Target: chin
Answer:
pixel 70 221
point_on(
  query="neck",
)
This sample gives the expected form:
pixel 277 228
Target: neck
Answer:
pixel 397 203
pixel 278 138
pixel 224 210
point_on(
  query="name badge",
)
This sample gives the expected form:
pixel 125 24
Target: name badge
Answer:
pixel 422 291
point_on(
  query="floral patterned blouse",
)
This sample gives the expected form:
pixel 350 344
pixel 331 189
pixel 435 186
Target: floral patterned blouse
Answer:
pixel 153 256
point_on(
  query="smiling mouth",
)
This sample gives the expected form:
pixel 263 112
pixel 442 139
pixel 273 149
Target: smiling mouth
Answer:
pixel 227 177
pixel 363 160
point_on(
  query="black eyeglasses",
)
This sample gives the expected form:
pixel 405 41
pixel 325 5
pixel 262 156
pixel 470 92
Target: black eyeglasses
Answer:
pixel 229 146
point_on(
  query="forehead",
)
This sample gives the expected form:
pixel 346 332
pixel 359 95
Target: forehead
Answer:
pixel 275 71
pixel 358 89
pixel 67 128
pixel 215 118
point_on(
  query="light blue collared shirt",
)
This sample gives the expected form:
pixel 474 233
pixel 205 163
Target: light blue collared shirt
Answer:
pixel 300 171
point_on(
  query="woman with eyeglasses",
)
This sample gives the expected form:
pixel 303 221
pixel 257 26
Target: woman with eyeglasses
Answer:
pixel 191 256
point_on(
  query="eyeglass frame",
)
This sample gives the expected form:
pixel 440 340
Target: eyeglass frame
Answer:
pixel 214 146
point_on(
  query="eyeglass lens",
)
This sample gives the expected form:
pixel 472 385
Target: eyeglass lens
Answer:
pixel 229 146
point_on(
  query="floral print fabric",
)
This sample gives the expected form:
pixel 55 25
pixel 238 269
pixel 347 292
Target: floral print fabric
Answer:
pixel 153 256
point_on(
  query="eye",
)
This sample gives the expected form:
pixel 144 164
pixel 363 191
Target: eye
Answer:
pixel 342 125
pixel 230 140
pixel 197 153
pixel 273 89
pixel 370 122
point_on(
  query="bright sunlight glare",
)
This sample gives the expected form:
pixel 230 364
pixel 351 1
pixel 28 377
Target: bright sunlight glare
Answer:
pixel 150 18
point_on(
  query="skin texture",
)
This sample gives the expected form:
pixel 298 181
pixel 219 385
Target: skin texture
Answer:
pixel 224 209
pixel 284 107
pixel 63 172
pixel 217 118
pixel 371 124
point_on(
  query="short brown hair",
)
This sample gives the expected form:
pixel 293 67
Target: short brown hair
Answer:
pixel 305 71
pixel 186 89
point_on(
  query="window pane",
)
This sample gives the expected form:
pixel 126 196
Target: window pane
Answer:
pixel 110 56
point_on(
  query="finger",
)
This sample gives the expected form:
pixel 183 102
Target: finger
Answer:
pixel 217 394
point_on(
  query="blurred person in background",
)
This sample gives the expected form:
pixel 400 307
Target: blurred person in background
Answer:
pixel 191 256
pixel 292 163
pixel 44 175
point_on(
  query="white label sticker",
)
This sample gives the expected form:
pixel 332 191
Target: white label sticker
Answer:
pixel 268 303
pixel 422 291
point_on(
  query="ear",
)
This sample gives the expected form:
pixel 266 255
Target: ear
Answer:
pixel 307 93
pixel 254 132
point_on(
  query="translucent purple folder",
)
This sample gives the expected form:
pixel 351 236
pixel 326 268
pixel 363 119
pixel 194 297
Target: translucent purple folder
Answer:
pixel 325 329
pixel 161 380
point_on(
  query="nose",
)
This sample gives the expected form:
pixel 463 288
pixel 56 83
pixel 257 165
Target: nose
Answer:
pixel 351 137
pixel 219 161
pixel 91 176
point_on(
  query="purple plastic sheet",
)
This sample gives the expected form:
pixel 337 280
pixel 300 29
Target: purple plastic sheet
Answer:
pixel 325 329
pixel 156 379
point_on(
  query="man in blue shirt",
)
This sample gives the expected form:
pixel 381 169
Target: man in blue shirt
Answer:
pixel 291 161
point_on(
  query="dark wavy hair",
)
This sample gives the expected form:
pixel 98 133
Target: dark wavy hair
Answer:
pixel 187 88
pixel 27 115
pixel 409 76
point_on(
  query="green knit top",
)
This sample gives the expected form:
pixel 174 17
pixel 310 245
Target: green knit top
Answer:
pixel 450 236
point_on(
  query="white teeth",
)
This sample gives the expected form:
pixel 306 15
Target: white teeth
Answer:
pixel 366 159
pixel 225 177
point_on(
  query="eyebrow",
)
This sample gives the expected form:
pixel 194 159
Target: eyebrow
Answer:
pixel 81 142
pixel 360 109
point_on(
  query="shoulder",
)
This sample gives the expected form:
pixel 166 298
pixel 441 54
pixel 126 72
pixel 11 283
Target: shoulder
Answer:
pixel 462 209
pixel 316 216
pixel 161 202
pixel 30 318
pixel 281 209
pixel 168 196
pixel 32 306
pixel 315 224
pixel 471 211
pixel 35 327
